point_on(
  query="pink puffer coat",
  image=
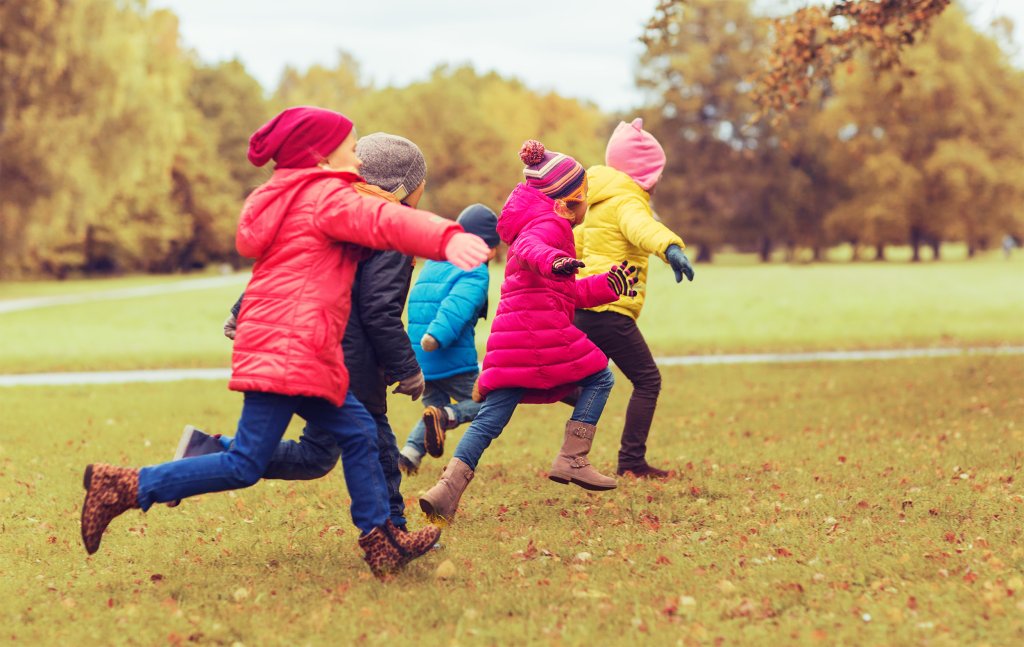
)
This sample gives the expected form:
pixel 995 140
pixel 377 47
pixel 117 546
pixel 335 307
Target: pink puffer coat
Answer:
pixel 533 343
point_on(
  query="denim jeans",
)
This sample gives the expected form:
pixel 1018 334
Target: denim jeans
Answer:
pixel 440 393
pixel 265 417
pixel 316 453
pixel 498 407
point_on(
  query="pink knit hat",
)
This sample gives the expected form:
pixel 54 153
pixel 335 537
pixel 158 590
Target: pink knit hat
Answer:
pixel 299 137
pixel 636 152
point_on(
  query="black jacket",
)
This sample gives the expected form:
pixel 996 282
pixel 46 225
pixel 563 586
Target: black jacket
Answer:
pixel 377 349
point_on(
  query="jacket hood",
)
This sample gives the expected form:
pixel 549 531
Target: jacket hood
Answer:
pixel 604 182
pixel 266 207
pixel 523 205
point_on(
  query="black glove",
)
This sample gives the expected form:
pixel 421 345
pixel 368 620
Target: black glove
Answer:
pixel 566 266
pixel 679 262
pixel 620 281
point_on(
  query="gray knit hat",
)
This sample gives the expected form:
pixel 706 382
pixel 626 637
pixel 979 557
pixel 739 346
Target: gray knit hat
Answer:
pixel 392 163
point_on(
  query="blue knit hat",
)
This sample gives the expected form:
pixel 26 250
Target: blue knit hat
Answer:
pixel 480 220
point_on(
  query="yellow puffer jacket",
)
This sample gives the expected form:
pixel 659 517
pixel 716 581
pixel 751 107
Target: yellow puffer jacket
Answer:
pixel 620 226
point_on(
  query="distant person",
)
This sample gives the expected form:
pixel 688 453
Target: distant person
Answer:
pixel 534 353
pixel 287 356
pixel 376 347
pixel 1009 242
pixel 620 225
pixel 444 307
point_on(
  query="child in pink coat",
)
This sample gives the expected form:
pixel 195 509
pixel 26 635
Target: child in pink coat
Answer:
pixel 534 353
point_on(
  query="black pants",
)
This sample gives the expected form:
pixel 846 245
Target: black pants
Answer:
pixel 618 336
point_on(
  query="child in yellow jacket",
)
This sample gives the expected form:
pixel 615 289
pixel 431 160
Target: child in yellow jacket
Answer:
pixel 621 226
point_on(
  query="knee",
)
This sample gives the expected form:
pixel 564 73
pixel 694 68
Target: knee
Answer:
pixel 607 380
pixel 648 382
pixel 242 471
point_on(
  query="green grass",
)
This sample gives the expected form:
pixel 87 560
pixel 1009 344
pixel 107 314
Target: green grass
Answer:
pixel 874 503
pixel 863 503
pixel 728 308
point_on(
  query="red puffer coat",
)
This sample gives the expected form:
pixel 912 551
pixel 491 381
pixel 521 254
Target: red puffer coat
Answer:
pixel 298 225
pixel 533 344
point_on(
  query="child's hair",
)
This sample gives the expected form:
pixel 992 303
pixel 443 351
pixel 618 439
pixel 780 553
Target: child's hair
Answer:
pixel 636 152
pixel 392 163
pixel 556 175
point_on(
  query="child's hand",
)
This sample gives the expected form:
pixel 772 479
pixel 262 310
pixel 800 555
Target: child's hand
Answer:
pixel 566 265
pixel 466 251
pixel 411 386
pixel 679 262
pixel 428 343
pixel 230 324
pixel 620 281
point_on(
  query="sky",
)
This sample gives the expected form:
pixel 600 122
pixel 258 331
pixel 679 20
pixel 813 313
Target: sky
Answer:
pixel 585 49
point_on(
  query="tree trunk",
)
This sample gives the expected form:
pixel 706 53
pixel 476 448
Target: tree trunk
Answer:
pixel 879 252
pixel 816 253
pixel 936 250
pixel 766 249
pixel 971 249
pixel 704 255
pixel 856 250
pixel 915 244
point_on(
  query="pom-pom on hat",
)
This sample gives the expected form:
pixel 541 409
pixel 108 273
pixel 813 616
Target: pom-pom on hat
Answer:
pixel 556 175
pixel 480 220
pixel 299 137
pixel 393 163
pixel 636 152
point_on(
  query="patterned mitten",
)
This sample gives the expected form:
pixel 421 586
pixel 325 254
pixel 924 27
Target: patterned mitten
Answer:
pixel 620 281
pixel 566 266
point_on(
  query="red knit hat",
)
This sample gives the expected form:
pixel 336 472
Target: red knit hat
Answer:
pixel 299 137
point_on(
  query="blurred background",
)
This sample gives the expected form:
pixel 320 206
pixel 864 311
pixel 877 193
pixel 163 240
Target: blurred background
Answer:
pixel 795 131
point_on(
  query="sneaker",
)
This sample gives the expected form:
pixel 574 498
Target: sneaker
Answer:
pixel 409 461
pixel 194 442
pixel 436 421
pixel 644 472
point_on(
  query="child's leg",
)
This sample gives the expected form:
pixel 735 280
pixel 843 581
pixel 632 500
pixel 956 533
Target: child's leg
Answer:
pixel 593 395
pixel 494 415
pixel 571 464
pixel 460 387
pixel 387 449
pixel 432 397
pixel 313 456
pixel 356 433
pixel 264 419
pixel 620 338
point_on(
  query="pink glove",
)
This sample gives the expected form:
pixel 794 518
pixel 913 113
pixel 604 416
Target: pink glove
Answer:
pixel 466 251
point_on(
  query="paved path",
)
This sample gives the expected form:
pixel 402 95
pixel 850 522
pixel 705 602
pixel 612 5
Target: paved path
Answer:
pixel 177 375
pixel 188 285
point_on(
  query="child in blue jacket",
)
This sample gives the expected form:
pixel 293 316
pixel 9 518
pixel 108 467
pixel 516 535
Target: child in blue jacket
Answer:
pixel 444 306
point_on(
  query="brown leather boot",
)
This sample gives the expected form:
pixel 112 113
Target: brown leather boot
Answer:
pixel 109 491
pixel 442 500
pixel 571 464
pixel 388 548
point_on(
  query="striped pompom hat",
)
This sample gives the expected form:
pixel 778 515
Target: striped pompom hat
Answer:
pixel 556 175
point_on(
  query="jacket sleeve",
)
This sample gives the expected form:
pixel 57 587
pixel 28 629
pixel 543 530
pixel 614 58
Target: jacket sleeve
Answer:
pixel 534 253
pixel 594 291
pixel 640 228
pixel 381 296
pixel 461 307
pixel 343 214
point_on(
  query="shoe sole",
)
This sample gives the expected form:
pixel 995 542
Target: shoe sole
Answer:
pixel 432 516
pixel 86 483
pixel 582 484
pixel 186 435
pixel 433 439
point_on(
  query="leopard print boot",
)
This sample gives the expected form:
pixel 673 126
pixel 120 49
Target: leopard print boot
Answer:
pixel 388 548
pixel 109 491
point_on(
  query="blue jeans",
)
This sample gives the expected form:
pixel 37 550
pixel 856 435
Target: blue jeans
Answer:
pixel 316 453
pixel 265 417
pixel 440 393
pixel 498 407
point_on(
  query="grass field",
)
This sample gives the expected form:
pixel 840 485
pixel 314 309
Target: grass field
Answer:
pixel 872 503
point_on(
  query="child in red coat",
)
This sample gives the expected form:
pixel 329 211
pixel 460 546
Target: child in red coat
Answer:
pixel 287 355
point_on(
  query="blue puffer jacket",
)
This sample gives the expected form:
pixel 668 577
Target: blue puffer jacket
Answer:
pixel 445 303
